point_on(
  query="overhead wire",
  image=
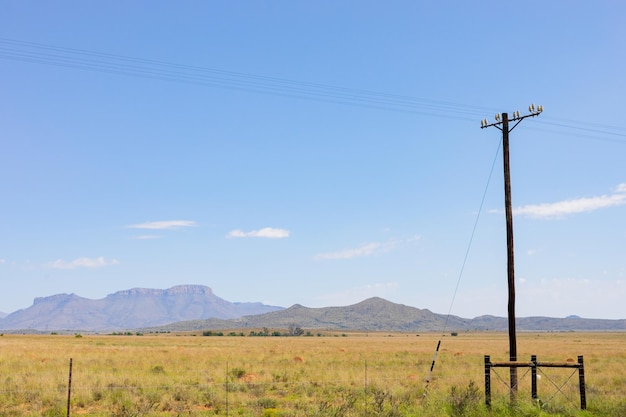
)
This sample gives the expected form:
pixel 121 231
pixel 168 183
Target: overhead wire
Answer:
pixel 462 270
pixel 146 68
pixel 46 54
pixel 579 135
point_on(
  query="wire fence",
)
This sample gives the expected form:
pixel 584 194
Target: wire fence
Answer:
pixel 237 388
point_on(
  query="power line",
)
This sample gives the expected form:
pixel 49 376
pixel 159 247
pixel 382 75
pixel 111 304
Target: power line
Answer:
pixel 580 135
pixel 604 131
pixel 145 68
pixel 46 54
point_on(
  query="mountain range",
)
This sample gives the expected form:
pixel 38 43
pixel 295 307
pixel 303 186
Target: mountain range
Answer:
pixel 196 307
pixel 378 314
pixel 128 309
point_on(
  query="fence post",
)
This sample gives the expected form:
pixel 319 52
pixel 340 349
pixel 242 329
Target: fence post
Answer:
pixel 69 389
pixel 487 381
pixel 533 377
pixel 226 386
pixel 581 383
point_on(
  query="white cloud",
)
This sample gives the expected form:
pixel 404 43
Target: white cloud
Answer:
pixel 267 232
pixel 562 209
pixel 2 261
pixel 83 263
pixel 363 250
pixel 367 249
pixel 164 225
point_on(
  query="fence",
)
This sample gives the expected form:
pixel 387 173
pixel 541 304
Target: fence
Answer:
pixel 534 367
pixel 225 389
pixel 190 375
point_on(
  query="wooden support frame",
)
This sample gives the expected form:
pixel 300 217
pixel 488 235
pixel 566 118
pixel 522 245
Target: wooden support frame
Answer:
pixel 533 365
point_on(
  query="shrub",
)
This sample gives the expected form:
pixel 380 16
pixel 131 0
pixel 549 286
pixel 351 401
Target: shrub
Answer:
pixel 157 369
pixel 462 400
pixel 238 373
pixel 267 402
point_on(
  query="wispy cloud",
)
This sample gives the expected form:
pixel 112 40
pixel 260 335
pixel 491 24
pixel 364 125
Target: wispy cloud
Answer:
pixel 366 249
pixel 83 263
pixel 2 261
pixel 267 232
pixel 164 225
pixel 562 209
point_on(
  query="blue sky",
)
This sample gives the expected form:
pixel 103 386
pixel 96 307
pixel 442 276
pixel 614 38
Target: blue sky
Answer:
pixel 317 153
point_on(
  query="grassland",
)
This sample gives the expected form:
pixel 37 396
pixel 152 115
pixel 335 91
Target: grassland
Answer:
pixel 352 374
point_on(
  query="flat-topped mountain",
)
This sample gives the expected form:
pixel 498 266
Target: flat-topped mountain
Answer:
pixel 128 309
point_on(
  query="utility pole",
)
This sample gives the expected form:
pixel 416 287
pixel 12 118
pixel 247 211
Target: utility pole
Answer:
pixel 502 123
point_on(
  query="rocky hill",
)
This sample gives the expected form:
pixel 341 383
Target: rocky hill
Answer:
pixel 377 314
pixel 128 309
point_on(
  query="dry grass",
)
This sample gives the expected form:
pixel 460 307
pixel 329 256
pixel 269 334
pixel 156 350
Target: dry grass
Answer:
pixel 333 375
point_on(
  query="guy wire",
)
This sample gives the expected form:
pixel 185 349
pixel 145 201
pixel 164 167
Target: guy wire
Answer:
pixel 458 282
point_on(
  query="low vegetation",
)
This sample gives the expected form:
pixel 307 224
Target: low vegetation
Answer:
pixel 343 374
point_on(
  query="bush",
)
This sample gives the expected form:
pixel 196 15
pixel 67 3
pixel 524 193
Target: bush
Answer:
pixel 462 400
pixel 157 369
pixel 238 373
pixel 212 333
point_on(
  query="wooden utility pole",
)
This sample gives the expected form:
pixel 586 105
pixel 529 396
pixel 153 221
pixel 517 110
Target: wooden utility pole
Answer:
pixel 502 123
pixel 510 252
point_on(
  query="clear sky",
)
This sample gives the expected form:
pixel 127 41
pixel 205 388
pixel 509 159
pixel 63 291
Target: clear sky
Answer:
pixel 317 153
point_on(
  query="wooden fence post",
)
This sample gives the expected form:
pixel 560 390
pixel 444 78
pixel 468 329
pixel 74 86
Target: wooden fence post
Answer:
pixel 581 383
pixel 487 381
pixel 533 377
pixel 226 386
pixel 69 389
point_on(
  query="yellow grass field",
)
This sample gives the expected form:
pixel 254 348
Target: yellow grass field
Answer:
pixel 326 374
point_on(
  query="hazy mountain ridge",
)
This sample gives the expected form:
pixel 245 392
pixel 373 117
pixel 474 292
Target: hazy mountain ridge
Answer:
pixel 127 309
pixel 377 314
pixel 196 307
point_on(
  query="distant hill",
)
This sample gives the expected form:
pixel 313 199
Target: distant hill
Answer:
pixel 373 314
pixel 377 314
pixel 2 315
pixel 128 309
pixel 195 307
